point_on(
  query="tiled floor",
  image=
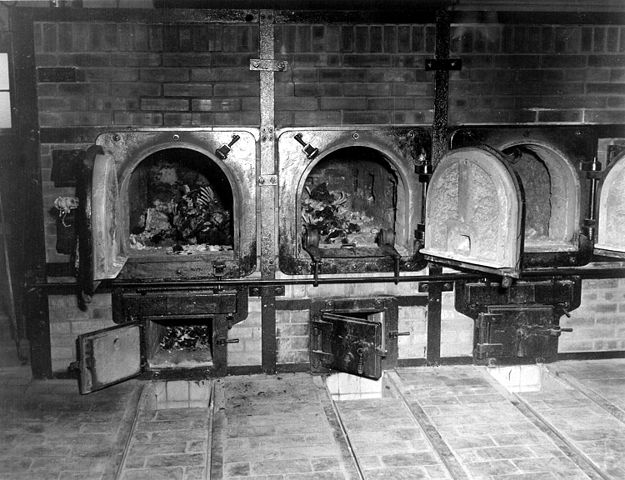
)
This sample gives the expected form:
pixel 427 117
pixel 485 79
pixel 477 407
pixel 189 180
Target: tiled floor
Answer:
pixel 429 423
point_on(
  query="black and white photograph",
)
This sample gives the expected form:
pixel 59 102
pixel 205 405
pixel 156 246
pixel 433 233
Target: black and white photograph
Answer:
pixel 312 240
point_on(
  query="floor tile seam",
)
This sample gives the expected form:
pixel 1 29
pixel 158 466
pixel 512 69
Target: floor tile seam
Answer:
pixel 142 406
pixel 446 455
pixel 559 440
pixel 595 397
pixel 350 465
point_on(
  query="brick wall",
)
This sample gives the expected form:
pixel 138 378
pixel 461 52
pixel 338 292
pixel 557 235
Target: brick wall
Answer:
pixel 599 323
pixel 67 322
pixel 346 74
pixel 456 329
pixel 249 332
pixel 146 75
pixel 538 74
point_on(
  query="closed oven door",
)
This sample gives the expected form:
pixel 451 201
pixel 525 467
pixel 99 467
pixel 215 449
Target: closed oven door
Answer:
pixel 474 213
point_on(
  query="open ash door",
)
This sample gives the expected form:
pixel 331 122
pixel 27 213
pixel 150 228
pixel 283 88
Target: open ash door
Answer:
pixel 611 215
pixel 474 213
pixel 349 344
pixel 109 356
pixel 100 248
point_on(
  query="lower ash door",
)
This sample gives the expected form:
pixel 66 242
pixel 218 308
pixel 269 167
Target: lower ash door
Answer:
pixel 511 333
pixel 348 344
pixel 109 356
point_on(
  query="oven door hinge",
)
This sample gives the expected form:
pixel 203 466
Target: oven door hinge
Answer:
pixel 256 64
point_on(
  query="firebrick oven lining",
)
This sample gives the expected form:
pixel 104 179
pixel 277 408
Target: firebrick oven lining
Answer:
pixel 551 193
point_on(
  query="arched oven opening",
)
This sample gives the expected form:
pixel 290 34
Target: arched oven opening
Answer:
pixel 179 202
pixel 350 200
pixel 354 200
pixel 551 195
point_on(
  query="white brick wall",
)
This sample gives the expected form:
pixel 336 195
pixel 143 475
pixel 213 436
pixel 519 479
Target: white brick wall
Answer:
pixel 599 323
pixel 456 329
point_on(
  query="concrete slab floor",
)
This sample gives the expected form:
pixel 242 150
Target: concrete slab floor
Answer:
pixel 456 423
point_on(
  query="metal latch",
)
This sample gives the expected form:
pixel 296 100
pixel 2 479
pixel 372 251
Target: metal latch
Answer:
pixel 220 342
pixel 310 151
pixel 395 334
pixel 223 151
pixel 257 64
pixel 219 269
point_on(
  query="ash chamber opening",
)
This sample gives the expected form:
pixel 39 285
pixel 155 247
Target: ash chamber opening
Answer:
pixel 549 193
pixel 180 201
pixel 179 344
pixel 350 198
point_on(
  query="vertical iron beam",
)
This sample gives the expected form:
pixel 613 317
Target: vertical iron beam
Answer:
pixel 439 149
pixel 268 193
pixel 26 126
pixel 441 89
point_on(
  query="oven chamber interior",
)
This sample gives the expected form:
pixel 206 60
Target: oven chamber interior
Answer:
pixel 179 159
pixel 537 221
pixel 357 190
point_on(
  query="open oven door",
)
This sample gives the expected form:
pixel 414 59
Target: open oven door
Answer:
pixel 348 344
pixel 611 215
pixel 100 250
pixel 474 213
pixel 109 356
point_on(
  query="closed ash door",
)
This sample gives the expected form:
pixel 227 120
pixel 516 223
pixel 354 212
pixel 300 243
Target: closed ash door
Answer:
pixel 346 343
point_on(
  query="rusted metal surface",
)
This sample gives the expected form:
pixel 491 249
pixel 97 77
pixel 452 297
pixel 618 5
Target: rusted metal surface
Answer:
pixel 441 88
pixel 357 335
pixel 268 196
pixel 520 323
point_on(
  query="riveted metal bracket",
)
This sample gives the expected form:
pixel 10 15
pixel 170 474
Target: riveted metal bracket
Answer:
pixel 257 64
pixel 268 180
pixel 424 287
pixel 255 291
pixel 443 64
